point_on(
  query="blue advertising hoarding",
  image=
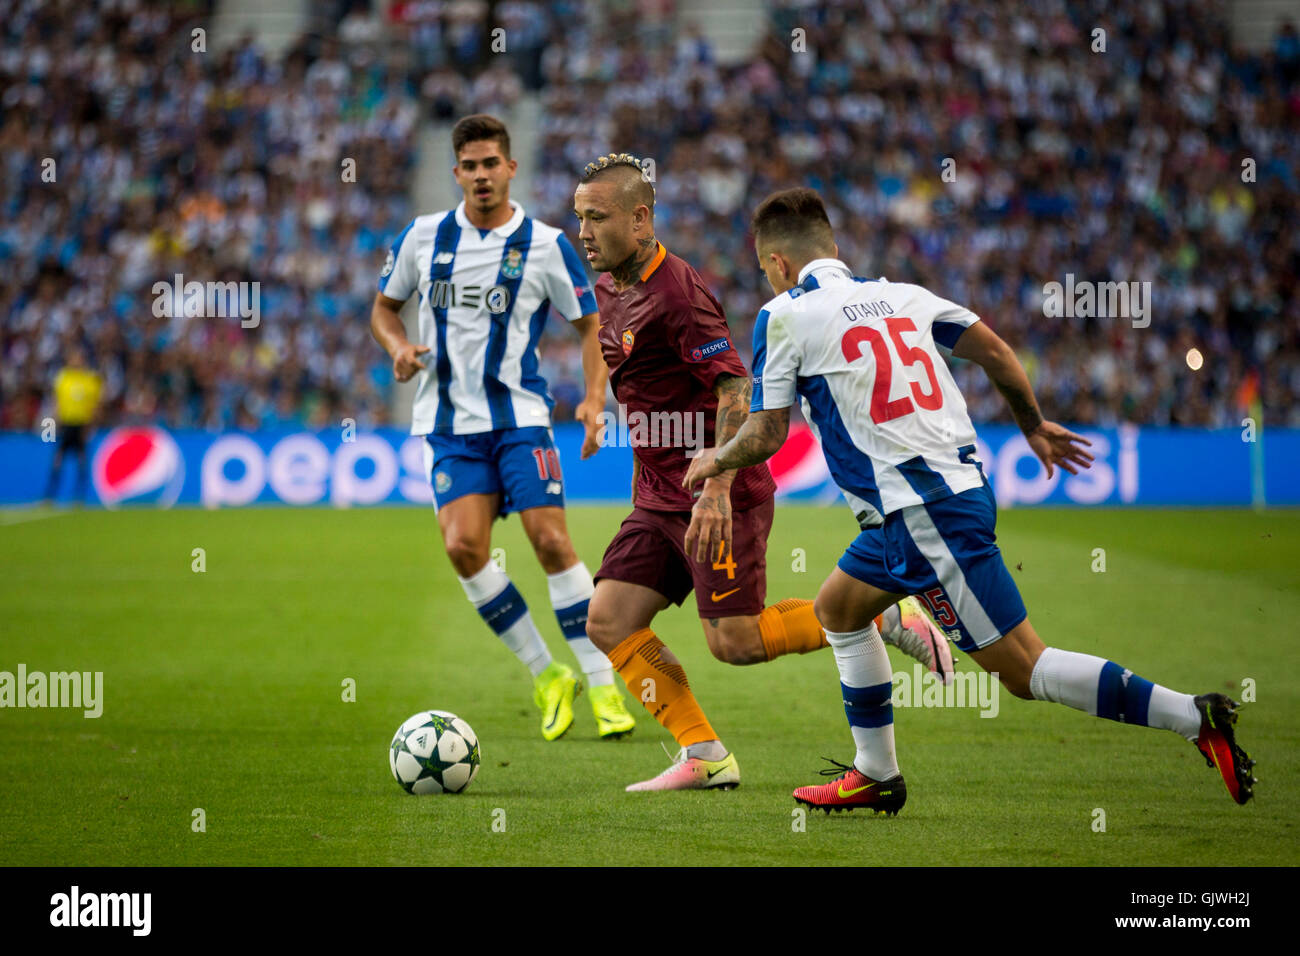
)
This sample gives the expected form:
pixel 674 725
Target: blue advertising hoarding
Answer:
pixel 147 465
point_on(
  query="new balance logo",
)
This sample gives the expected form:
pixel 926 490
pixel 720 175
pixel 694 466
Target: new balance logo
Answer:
pixel 443 258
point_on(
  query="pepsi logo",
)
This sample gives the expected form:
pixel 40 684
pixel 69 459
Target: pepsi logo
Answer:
pixel 138 465
pixel 799 465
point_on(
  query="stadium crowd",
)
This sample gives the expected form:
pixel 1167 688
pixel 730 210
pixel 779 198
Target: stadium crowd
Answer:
pixel 1122 165
pixel 983 149
pixel 213 166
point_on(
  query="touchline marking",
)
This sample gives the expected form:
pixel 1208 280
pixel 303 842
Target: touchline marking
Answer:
pixel 14 516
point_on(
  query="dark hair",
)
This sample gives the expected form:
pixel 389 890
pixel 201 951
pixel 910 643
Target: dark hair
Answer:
pixel 794 216
pixel 638 191
pixel 478 127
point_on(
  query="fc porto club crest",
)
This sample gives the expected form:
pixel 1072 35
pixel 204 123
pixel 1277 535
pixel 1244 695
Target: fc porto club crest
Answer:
pixel 512 266
pixel 442 481
pixel 628 339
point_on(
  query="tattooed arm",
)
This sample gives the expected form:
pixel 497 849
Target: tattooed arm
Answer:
pixel 761 437
pixel 709 534
pixel 733 408
pixel 1052 444
pixel 758 439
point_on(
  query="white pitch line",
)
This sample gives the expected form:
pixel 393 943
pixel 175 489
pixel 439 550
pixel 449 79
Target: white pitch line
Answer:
pixel 22 517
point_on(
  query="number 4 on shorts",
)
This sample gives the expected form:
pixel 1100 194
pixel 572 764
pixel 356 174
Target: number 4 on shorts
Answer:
pixel 729 565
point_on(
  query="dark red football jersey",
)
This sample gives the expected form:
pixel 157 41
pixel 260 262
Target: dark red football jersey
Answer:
pixel 666 341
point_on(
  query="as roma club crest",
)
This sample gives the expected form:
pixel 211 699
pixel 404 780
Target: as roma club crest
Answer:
pixel 512 267
pixel 628 339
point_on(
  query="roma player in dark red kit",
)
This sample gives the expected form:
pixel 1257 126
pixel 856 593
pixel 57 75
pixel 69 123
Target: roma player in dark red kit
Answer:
pixel 666 341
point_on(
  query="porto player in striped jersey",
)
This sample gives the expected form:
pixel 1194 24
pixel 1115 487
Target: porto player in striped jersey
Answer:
pixel 669 351
pixel 487 276
pixel 865 354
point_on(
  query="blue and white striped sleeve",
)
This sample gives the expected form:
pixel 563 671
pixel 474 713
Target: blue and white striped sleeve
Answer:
pixel 567 285
pixel 776 364
pixel 949 322
pixel 399 278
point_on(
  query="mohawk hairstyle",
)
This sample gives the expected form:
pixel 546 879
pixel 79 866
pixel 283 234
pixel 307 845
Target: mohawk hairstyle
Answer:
pixel 617 161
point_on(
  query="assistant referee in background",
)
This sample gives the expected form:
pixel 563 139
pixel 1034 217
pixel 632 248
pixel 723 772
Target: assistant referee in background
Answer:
pixel 77 389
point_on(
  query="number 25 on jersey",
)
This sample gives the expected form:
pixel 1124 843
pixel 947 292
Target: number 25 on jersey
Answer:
pixel 882 409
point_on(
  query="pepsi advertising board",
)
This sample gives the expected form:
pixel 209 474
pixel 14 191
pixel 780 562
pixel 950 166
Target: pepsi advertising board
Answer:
pixel 152 467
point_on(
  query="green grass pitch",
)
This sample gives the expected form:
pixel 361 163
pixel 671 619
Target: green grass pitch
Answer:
pixel 223 690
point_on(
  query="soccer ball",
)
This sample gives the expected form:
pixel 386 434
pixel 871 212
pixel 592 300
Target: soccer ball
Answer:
pixel 434 752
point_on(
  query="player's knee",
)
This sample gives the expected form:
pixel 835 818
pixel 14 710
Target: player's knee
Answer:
pixel 603 627
pixel 739 654
pixel 553 549
pixel 734 652
pixel 831 613
pixel 468 556
pixel 739 644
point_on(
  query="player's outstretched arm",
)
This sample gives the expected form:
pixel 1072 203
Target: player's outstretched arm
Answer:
pixel 1053 444
pixel 760 438
pixel 387 328
pixel 596 375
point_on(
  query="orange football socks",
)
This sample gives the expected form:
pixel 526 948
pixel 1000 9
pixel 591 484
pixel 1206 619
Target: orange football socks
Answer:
pixel 653 674
pixel 790 627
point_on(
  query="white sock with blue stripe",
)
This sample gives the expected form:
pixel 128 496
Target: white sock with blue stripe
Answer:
pixel 867 684
pixel 571 592
pixel 502 608
pixel 1104 689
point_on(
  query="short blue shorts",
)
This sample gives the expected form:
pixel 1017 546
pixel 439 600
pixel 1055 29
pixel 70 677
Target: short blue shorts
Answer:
pixel 520 464
pixel 944 552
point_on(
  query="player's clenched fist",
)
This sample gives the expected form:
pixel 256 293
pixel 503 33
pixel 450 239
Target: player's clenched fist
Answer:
pixel 406 361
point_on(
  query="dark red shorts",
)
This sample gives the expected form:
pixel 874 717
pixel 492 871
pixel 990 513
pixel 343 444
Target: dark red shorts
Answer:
pixel 650 550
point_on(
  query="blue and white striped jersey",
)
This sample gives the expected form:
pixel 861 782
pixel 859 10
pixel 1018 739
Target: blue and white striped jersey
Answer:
pixel 864 355
pixel 484 298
